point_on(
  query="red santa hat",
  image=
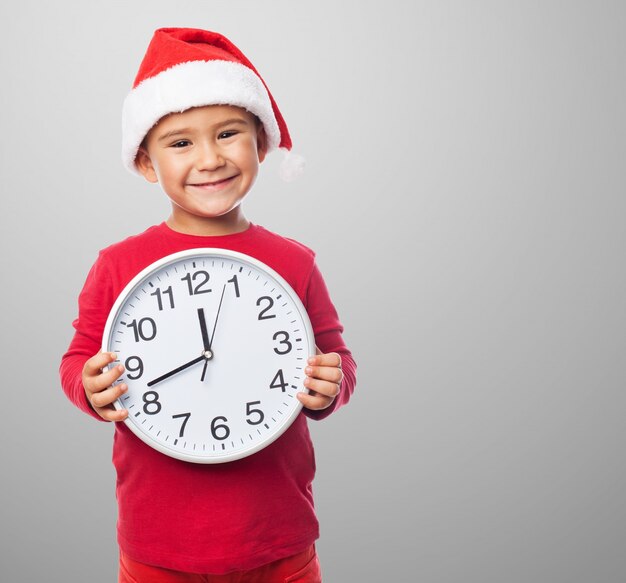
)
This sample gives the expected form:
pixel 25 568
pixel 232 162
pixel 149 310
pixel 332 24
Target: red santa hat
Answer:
pixel 187 67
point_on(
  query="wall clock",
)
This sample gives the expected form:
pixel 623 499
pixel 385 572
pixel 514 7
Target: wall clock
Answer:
pixel 214 345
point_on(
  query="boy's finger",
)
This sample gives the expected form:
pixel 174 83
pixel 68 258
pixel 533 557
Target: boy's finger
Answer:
pixel 326 373
pixel 98 383
pixel 331 359
pixel 112 414
pixel 108 396
pixel 96 363
pixel 326 388
pixel 314 402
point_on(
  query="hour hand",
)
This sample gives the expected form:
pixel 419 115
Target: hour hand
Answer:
pixel 205 333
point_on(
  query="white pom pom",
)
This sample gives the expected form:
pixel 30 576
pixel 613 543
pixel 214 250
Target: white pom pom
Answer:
pixel 292 166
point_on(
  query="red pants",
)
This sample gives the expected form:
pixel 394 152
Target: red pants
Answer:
pixel 301 568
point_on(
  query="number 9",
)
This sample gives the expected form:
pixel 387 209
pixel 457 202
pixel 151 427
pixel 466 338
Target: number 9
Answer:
pixel 130 368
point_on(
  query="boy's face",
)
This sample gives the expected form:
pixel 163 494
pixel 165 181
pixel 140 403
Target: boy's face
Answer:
pixel 206 159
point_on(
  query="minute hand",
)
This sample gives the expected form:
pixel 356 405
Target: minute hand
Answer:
pixel 167 375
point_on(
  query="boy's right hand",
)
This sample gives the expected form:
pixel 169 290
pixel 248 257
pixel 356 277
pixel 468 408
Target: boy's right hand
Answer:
pixel 97 385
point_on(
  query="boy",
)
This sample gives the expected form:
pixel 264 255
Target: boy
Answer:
pixel 199 121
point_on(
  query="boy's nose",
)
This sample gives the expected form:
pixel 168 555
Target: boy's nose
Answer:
pixel 208 158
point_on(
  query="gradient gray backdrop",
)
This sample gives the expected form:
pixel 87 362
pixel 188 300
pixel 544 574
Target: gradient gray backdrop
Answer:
pixel 465 195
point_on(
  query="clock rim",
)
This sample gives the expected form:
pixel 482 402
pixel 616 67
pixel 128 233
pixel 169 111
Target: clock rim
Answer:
pixel 173 258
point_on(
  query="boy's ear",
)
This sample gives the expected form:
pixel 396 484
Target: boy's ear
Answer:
pixel 261 143
pixel 144 165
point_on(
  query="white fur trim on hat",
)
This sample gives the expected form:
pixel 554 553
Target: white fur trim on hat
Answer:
pixel 185 86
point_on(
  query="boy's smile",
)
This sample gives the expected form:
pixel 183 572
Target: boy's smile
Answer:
pixel 206 159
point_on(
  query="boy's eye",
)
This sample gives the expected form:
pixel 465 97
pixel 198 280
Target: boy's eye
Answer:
pixel 181 144
pixel 227 134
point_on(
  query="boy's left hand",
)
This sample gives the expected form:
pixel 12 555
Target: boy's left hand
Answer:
pixel 324 376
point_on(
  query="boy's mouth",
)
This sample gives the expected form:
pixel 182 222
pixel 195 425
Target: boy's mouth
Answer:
pixel 215 184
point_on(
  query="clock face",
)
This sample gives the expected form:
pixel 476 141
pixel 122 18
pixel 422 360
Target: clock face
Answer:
pixel 214 345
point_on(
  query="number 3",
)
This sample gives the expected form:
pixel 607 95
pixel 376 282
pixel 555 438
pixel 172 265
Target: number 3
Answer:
pixel 284 341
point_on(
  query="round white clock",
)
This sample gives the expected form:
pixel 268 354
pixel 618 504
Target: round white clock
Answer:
pixel 214 345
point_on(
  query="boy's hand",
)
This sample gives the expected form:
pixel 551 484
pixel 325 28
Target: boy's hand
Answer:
pixel 324 376
pixel 97 385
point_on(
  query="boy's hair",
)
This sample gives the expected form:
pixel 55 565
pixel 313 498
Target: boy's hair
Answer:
pixel 185 68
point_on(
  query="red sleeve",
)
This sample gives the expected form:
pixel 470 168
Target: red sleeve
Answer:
pixel 94 303
pixel 328 330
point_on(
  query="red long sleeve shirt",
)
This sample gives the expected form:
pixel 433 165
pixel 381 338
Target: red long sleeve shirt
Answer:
pixel 221 517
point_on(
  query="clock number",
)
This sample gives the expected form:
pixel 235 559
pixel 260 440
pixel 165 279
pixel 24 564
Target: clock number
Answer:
pixel 225 431
pixel 270 304
pixel 145 329
pixel 130 368
pixel 204 279
pixel 234 281
pixel 251 411
pixel 285 341
pixel 278 382
pixel 167 292
pixel 151 404
pixel 186 418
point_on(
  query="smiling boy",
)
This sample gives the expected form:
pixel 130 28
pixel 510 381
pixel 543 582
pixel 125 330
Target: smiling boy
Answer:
pixel 206 159
pixel 199 122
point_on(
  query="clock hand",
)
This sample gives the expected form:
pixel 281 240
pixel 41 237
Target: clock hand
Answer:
pixel 204 370
pixel 203 329
pixel 167 375
pixel 216 317
pixel 205 334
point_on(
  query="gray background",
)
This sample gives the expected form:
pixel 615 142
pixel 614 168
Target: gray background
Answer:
pixel 465 195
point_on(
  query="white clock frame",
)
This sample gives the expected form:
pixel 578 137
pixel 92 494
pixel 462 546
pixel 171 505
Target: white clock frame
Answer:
pixel 287 301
